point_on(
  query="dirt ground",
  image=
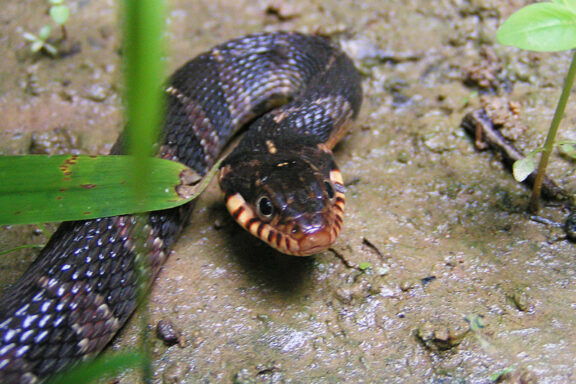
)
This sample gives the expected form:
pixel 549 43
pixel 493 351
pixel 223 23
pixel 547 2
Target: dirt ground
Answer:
pixel 440 275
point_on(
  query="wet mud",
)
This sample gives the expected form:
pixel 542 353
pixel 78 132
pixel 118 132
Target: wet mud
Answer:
pixel 439 276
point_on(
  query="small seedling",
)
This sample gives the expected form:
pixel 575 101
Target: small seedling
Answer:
pixel 496 377
pixel 39 42
pixel 59 12
pixel 364 266
pixel 543 27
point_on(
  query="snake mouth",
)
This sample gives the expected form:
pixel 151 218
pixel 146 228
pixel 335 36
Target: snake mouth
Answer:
pixel 281 237
pixel 316 242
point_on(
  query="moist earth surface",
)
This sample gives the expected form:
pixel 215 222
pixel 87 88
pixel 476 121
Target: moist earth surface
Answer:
pixel 439 275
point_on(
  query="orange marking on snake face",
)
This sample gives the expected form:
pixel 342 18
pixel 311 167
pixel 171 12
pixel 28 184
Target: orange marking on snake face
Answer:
pixel 237 213
pixel 251 222
pixel 260 229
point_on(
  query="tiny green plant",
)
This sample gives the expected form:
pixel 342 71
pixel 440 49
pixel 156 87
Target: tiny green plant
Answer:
pixel 39 42
pixel 498 376
pixel 543 27
pixel 364 266
pixel 59 12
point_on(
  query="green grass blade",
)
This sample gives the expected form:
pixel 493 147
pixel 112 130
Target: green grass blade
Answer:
pixel 98 368
pixel 143 70
pixel 37 189
pixel 543 27
pixel 143 22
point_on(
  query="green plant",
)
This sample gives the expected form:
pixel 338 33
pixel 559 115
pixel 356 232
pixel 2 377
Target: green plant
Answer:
pixel 364 266
pixel 496 377
pixel 40 42
pixel 59 12
pixel 543 27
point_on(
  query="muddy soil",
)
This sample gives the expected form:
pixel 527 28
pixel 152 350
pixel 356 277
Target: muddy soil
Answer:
pixel 439 276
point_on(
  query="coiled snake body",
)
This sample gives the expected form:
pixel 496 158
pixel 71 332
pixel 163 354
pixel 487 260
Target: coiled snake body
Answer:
pixel 281 183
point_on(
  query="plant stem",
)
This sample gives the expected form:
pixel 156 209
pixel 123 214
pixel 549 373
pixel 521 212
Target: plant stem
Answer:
pixel 549 144
pixel 64 33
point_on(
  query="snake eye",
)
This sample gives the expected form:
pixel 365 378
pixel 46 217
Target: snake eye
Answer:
pixel 329 189
pixel 265 207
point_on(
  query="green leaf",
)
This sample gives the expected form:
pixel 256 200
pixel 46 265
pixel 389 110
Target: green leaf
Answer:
pixel 568 150
pixel 101 367
pixel 36 45
pixel 567 3
pixel 543 27
pixel 36 189
pixel 50 49
pixel 29 36
pixel 56 2
pixel 44 32
pixel 523 168
pixel 60 14
pixel 365 265
pixel 476 322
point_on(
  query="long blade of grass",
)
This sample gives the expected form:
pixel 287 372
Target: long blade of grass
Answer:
pixel 143 70
pixel 143 31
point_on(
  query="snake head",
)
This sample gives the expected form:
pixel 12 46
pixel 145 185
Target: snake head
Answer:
pixel 292 200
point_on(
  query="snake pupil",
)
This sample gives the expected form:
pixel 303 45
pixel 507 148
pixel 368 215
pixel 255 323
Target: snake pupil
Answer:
pixel 265 206
pixel 329 189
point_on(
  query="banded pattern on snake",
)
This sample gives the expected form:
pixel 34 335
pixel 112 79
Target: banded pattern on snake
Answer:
pixel 297 93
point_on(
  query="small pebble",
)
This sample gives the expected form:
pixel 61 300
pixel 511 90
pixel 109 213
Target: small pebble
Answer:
pixel 441 336
pixel 218 223
pixel 521 300
pixel 57 141
pixel 97 92
pixel 169 333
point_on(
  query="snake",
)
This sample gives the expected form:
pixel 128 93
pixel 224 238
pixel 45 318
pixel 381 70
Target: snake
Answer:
pixel 295 96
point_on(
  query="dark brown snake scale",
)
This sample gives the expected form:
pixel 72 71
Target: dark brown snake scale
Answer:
pixel 280 183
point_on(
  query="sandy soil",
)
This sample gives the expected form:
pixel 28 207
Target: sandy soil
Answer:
pixel 439 275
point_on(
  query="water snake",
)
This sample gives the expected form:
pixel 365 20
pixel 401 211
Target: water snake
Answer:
pixel 297 93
